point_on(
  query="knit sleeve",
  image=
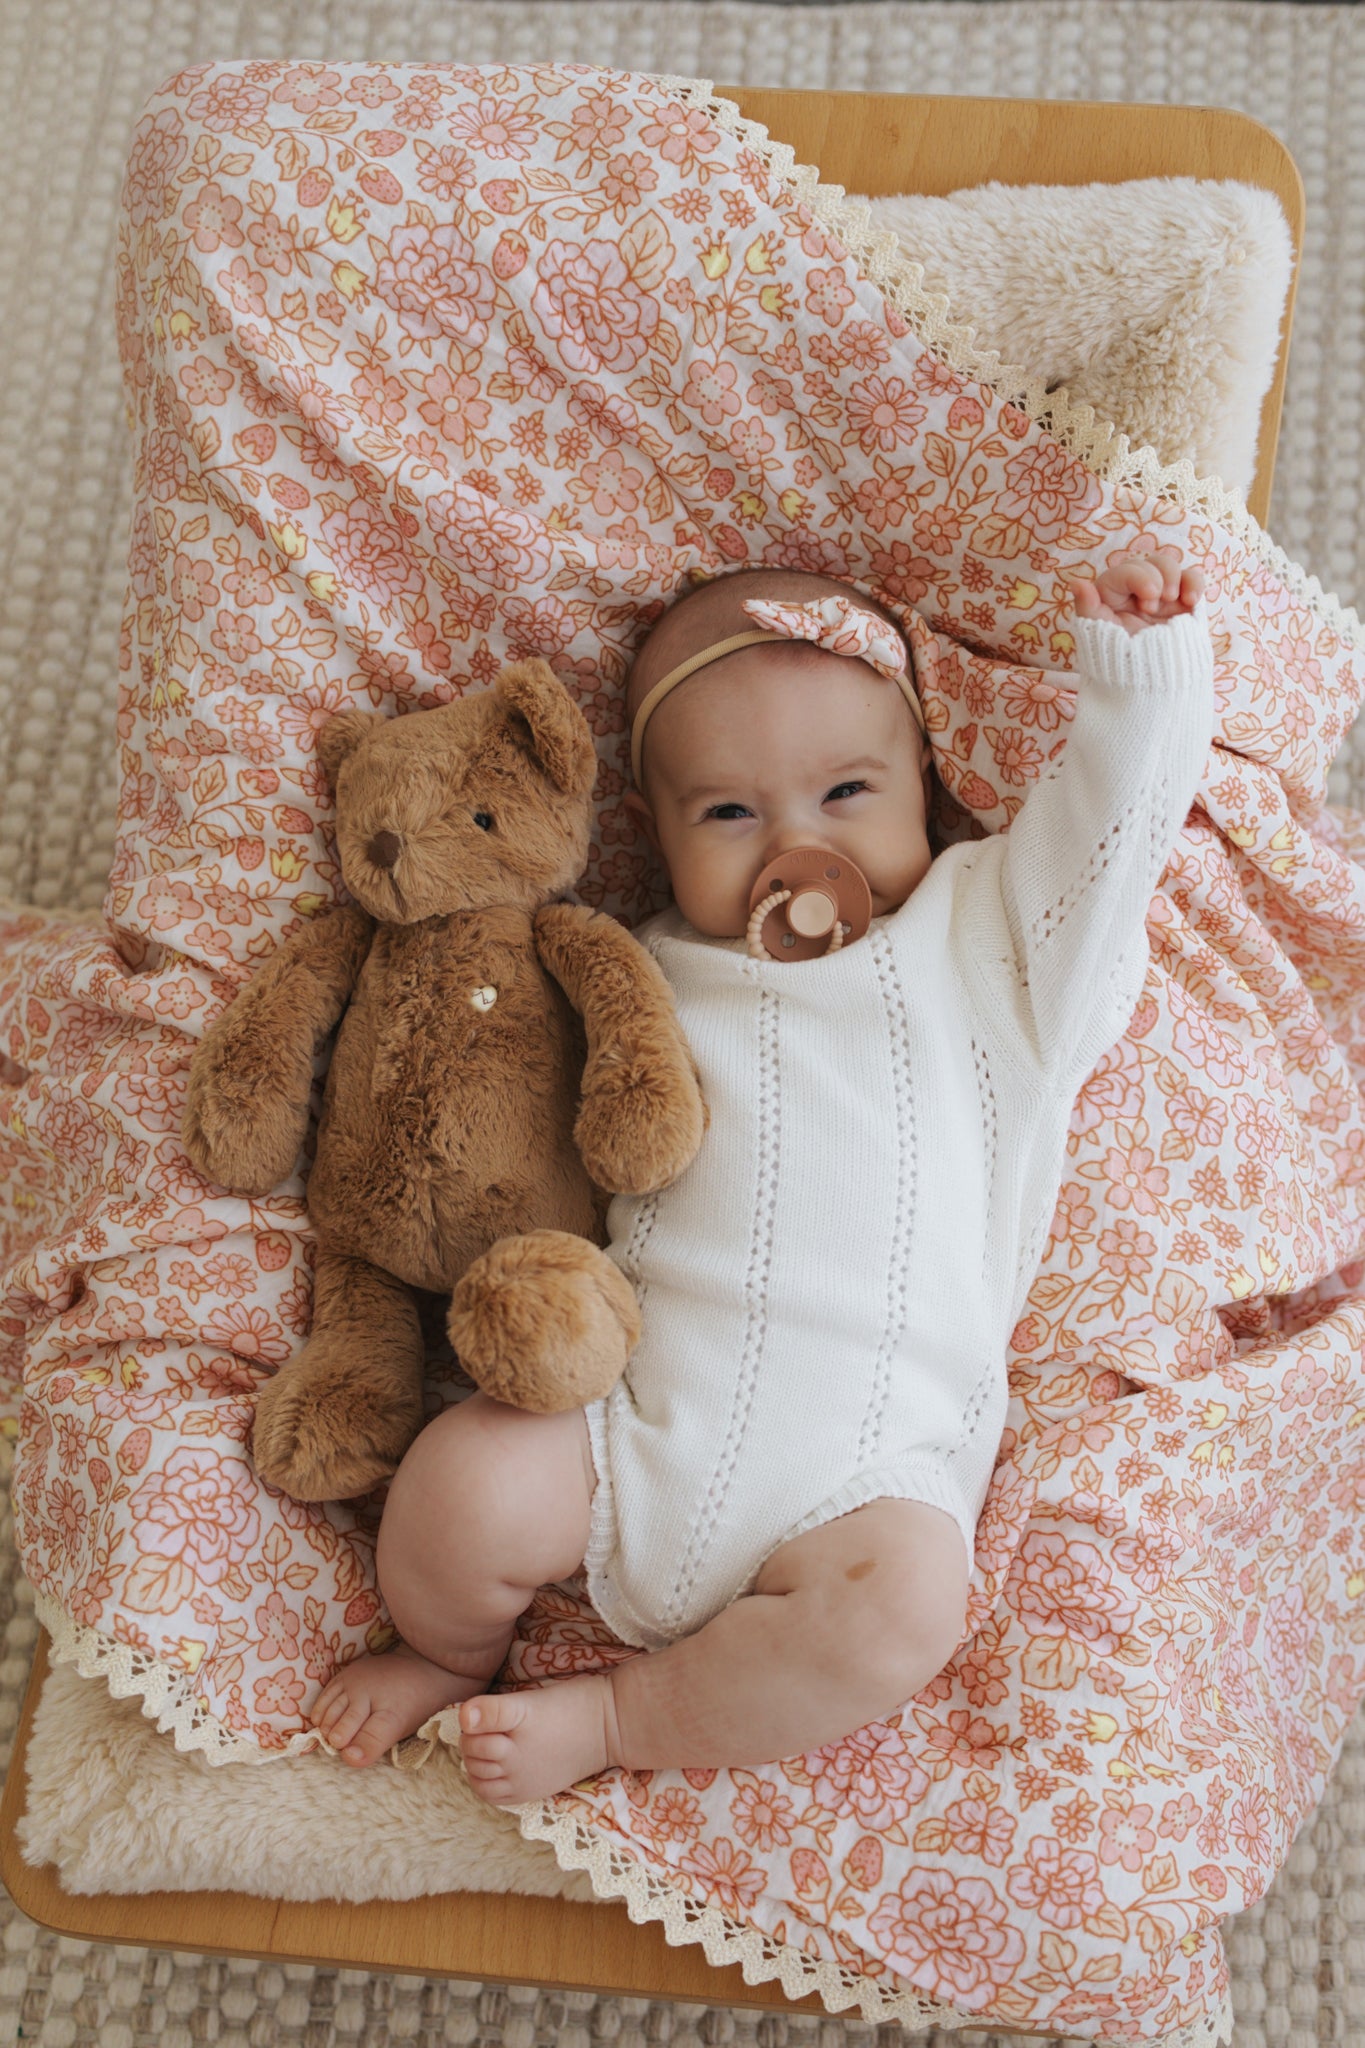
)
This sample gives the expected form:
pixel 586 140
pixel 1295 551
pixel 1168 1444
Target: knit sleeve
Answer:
pixel 1061 898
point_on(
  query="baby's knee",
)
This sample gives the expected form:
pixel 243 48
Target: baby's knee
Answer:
pixel 498 1493
pixel 455 1481
pixel 898 1612
pixel 903 1640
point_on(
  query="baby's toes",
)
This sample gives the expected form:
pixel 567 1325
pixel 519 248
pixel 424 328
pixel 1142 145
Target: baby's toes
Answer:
pixel 492 1713
pixel 486 1762
pixel 344 1720
pixel 493 1787
pixel 328 1704
pixel 488 1724
pixel 381 1730
pixel 485 1753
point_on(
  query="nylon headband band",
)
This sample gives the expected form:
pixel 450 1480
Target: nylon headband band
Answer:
pixel 703 660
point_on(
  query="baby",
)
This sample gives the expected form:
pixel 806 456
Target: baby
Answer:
pixel 777 1502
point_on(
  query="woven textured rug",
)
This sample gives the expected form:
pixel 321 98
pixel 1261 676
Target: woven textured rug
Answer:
pixel 77 72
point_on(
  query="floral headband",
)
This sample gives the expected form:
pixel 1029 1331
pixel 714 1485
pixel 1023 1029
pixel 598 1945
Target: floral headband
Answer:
pixel 835 623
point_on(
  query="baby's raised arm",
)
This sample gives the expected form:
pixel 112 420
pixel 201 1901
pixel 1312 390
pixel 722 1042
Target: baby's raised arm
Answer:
pixel 1076 870
pixel 1138 591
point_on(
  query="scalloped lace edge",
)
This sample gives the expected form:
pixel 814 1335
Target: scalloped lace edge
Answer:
pixel 1099 444
pixel 166 1695
pixel 615 1875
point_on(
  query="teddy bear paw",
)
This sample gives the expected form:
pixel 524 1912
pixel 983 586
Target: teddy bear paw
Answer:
pixel 639 1128
pixel 544 1321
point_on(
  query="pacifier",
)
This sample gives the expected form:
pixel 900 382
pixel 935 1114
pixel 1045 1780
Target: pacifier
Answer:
pixel 805 903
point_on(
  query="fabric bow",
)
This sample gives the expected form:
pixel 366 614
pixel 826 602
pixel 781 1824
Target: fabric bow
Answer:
pixel 837 624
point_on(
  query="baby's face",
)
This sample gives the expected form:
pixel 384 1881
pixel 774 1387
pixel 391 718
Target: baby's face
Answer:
pixel 776 746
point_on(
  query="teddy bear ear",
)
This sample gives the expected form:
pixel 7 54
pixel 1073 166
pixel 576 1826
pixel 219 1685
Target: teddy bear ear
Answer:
pixel 560 737
pixel 341 736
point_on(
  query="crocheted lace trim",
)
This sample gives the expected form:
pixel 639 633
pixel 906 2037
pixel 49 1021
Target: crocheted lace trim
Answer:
pixel 1100 445
pixel 167 1695
pixel 616 1875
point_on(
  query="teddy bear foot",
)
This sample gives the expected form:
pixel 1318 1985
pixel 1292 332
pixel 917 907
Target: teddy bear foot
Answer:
pixel 324 1430
pixel 544 1321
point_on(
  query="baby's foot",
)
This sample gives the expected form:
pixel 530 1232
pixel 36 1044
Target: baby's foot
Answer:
pixel 519 1746
pixel 374 1702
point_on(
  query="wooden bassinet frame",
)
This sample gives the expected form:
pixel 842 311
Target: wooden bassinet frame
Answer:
pixel 875 143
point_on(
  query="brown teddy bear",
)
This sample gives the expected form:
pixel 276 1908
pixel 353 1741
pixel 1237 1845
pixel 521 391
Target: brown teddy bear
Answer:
pixel 504 1062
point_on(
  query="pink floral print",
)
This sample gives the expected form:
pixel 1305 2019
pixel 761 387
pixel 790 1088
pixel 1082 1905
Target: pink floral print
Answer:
pixel 433 366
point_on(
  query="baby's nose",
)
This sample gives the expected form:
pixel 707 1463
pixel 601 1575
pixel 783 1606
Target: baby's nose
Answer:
pixel 794 841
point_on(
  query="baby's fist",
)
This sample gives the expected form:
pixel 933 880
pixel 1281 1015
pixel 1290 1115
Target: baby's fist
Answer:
pixel 1139 590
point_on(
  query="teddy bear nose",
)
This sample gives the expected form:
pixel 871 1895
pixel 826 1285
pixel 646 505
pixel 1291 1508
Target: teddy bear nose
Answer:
pixel 385 848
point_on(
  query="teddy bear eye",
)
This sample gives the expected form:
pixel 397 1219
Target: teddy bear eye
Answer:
pixel 484 820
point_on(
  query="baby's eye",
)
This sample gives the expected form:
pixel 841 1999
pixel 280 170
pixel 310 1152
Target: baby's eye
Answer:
pixel 727 811
pixel 843 789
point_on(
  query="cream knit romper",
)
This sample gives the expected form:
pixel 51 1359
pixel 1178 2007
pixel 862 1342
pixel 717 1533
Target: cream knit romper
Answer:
pixel 827 1293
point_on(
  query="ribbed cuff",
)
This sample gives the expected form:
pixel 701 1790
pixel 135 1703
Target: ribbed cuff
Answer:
pixel 1163 657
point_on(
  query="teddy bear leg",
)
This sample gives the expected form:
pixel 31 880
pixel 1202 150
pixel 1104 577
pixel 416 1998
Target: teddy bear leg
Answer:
pixel 338 1417
pixel 544 1321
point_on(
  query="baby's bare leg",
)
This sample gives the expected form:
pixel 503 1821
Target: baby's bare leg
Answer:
pixel 489 1503
pixel 845 1624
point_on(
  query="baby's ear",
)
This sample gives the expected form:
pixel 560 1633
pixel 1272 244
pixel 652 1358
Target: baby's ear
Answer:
pixel 641 817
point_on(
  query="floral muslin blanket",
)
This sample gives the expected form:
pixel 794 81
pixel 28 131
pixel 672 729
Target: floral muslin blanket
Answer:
pixel 429 367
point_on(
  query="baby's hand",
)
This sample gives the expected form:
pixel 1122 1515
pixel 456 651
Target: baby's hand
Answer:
pixel 1139 590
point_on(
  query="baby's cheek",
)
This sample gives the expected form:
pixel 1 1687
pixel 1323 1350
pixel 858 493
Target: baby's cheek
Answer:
pixel 711 885
pixel 895 870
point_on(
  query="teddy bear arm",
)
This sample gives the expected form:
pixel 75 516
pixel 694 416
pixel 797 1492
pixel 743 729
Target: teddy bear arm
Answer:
pixel 641 1116
pixel 251 1076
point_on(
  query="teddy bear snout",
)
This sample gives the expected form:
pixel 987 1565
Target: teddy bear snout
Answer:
pixel 385 848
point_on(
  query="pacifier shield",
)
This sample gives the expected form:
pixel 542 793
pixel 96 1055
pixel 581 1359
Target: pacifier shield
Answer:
pixel 826 888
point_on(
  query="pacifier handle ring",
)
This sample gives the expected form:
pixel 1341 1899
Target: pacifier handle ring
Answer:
pixel 757 949
pixel 758 916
